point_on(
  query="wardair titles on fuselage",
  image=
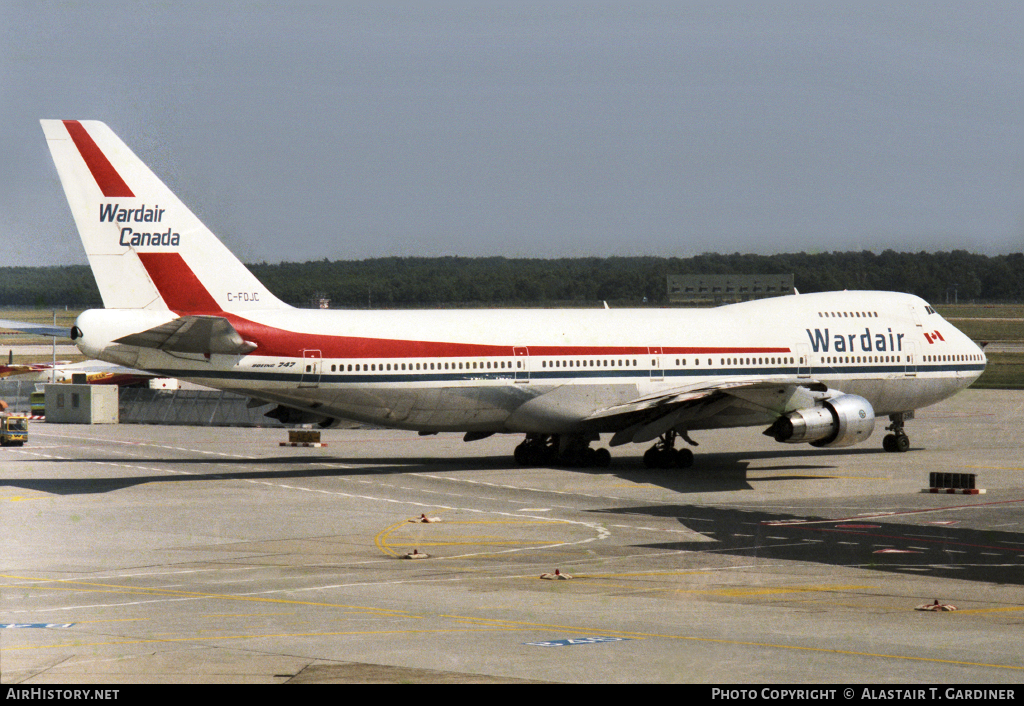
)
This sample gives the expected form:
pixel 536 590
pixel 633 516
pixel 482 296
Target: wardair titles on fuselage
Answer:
pixel 846 342
pixel 113 213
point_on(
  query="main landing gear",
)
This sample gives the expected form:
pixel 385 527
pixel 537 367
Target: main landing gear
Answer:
pixel 562 450
pixel 898 441
pixel 664 454
pixel 573 451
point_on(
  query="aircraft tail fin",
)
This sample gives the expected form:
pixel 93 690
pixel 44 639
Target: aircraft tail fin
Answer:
pixel 147 250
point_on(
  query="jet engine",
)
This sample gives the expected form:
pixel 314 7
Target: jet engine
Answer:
pixel 841 421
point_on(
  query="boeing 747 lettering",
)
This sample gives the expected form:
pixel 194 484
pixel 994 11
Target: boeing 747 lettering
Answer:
pixel 812 368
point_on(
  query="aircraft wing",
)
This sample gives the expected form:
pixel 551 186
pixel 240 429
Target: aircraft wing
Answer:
pixel 649 417
pixel 95 371
pixel 12 370
pixel 192 334
pixel 37 329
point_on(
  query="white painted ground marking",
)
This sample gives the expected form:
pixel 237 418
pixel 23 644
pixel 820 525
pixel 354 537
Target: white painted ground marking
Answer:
pixel 601 532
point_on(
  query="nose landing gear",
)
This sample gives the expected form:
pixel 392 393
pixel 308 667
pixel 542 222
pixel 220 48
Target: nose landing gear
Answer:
pixel 898 441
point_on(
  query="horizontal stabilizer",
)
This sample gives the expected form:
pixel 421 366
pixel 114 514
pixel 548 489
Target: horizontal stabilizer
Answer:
pixel 36 329
pixel 192 334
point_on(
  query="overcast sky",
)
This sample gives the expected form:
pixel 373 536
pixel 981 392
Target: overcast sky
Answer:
pixel 301 131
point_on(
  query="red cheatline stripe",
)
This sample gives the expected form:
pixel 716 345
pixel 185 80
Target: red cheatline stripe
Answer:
pixel 109 181
pixel 280 342
pixel 177 283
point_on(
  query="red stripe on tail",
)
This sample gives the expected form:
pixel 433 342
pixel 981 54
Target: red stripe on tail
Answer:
pixel 109 181
pixel 177 283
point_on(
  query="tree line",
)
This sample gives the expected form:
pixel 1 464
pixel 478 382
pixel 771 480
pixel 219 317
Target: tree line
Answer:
pixel 623 281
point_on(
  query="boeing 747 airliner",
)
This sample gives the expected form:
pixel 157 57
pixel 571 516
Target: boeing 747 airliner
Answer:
pixel 812 368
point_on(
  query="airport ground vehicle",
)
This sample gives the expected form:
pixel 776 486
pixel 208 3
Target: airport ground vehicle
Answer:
pixel 37 401
pixel 13 429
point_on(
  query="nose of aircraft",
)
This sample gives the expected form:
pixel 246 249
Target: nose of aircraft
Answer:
pixel 975 355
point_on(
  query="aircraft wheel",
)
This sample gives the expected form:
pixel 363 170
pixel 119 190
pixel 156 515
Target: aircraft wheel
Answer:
pixel 602 458
pixel 522 455
pixel 661 458
pixel 573 458
pixel 684 458
pixel 547 454
pixel 896 443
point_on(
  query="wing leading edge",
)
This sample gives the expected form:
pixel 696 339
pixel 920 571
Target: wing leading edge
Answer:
pixel 649 417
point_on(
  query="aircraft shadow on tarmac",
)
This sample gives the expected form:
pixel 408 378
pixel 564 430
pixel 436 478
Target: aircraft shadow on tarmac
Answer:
pixel 723 472
pixel 286 468
pixel 926 550
pixel 718 472
pixel 86 486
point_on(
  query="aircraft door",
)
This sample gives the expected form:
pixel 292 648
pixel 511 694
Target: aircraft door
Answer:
pixel 911 365
pixel 522 363
pixel 657 372
pixel 803 360
pixel 312 365
pixel 915 316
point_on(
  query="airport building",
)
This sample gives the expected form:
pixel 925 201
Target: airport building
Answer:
pixel 723 289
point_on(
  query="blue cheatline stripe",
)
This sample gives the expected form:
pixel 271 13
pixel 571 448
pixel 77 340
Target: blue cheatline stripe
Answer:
pixel 570 373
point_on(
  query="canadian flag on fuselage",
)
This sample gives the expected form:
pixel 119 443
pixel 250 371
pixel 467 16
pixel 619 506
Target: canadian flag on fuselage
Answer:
pixel 147 250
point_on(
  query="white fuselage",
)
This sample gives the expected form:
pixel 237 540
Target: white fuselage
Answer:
pixel 548 371
pixel 818 368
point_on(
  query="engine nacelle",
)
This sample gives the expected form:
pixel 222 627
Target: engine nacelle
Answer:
pixel 840 421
